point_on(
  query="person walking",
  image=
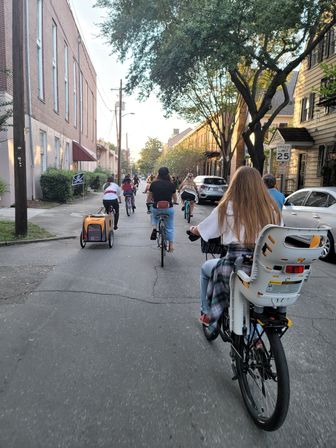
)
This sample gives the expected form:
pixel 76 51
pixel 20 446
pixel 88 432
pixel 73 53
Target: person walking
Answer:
pixel 270 183
pixel 112 198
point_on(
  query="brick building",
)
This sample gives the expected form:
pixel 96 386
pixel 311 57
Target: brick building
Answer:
pixel 60 94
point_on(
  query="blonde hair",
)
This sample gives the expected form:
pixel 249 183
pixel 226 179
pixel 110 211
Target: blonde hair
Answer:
pixel 189 180
pixel 252 205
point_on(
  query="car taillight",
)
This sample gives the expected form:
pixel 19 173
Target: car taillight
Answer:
pixel 294 269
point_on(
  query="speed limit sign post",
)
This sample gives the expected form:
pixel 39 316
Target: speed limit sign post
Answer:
pixel 283 157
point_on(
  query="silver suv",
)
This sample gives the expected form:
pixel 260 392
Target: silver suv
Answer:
pixel 210 188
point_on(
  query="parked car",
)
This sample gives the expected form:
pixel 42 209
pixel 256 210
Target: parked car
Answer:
pixel 313 207
pixel 210 188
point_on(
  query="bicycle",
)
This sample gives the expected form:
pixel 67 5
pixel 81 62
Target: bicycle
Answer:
pixel 161 236
pixel 187 210
pixel 128 205
pixel 255 319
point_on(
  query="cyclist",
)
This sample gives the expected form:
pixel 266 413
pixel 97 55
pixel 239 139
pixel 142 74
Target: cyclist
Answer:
pixel 149 180
pixel 128 189
pixel 188 192
pixel 238 219
pixel 162 189
pixel 136 181
pixel 112 197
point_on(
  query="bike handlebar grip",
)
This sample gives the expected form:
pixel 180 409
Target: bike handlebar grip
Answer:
pixel 191 236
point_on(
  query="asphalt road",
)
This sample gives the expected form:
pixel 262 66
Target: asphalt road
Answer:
pixel 102 347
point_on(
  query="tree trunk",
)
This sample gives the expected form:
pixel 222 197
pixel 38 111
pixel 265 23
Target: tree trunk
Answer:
pixel 256 148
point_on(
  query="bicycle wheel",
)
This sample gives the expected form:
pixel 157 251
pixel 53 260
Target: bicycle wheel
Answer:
pixel 187 211
pixel 110 239
pixel 81 241
pixel 263 378
pixel 127 205
pixel 162 241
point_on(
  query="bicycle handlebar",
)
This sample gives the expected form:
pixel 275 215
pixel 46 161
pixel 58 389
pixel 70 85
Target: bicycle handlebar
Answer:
pixel 191 236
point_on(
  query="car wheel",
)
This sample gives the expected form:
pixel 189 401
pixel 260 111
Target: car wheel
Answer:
pixel 328 252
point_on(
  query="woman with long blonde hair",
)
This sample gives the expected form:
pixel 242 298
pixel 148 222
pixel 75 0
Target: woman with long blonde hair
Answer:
pixel 188 191
pixel 245 209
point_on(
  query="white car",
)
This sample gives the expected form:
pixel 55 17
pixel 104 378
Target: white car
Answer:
pixel 313 207
pixel 210 188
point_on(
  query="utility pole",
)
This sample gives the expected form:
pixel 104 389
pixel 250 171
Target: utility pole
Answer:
pixel 19 120
pixel 119 133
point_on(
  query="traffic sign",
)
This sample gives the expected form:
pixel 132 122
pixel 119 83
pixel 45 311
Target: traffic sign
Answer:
pixel 78 179
pixel 283 153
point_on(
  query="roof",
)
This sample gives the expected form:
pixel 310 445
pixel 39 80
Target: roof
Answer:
pixel 174 140
pixel 296 137
pixel 295 134
pixel 279 97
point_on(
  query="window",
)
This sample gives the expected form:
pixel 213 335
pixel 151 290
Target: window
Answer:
pixel 283 125
pixel 67 156
pixel 317 199
pixel 57 152
pixel 75 92
pixel 66 81
pixel 329 43
pixel 296 198
pixel 320 160
pixel 39 46
pixel 43 151
pixel 93 116
pixel 54 66
pixel 307 107
pixel 87 107
pixel 81 101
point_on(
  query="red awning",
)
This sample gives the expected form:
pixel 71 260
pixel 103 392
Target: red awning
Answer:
pixel 82 154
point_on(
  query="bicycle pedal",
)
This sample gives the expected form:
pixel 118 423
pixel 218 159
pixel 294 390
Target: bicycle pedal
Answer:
pixel 234 378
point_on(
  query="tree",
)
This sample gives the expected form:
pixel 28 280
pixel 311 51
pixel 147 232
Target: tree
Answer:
pixel 149 154
pixel 167 39
pixel 180 160
pixel 6 113
pixel 211 97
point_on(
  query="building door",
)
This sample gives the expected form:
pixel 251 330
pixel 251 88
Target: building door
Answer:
pixel 301 170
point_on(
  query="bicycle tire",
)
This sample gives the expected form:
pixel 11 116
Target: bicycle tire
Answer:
pixel 188 211
pixel 110 239
pixel 162 241
pixel 127 206
pixel 81 241
pixel 210 334
pixel 259 366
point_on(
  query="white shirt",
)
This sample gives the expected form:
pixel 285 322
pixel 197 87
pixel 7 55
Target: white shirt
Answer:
pixel 209 227
pixel 112 191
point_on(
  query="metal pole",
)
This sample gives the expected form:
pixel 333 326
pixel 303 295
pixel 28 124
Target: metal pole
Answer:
pixel 21 222
pixel 119 133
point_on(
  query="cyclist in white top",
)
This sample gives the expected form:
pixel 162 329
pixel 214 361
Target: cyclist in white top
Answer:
pixel 112 197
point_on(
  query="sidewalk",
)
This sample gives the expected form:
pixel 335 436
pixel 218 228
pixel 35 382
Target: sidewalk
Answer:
pixel 63 221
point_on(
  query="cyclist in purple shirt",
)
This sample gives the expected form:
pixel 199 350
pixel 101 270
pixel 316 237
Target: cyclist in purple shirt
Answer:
pixel 270 182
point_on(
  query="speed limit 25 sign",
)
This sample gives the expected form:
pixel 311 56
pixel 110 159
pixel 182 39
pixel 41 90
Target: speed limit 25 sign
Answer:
pixel 283 153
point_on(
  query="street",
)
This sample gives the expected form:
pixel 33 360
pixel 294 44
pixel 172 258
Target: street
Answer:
pixel 102 347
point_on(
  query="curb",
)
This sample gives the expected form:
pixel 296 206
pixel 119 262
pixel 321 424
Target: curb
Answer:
pixel 56 238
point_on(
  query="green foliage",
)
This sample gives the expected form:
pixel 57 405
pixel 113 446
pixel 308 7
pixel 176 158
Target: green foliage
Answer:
pixel 3 187
pixel 166 41
pixel 180 161
pixel 98 179
pixel 328 89
pixel 56 185
pixel 149 155
pixel 34 232
pixel 6 113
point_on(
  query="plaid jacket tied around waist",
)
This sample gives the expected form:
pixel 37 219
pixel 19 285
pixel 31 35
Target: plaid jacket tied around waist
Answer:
pixel 218 291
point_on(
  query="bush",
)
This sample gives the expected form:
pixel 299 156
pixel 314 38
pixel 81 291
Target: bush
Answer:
pixel 98 180
pixel 56 185
pixel 3 187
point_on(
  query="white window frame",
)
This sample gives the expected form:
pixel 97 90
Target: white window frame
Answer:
pixel 43 151
pixel 81 101
pixel 75 92
pixel 57 152
pixel 39 48
pixel 54 66
pixel 66 80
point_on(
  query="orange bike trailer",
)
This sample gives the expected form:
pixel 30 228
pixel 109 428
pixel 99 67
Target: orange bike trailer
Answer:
pixel 97 228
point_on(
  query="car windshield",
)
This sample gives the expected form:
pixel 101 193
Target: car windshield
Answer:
pixel 214 181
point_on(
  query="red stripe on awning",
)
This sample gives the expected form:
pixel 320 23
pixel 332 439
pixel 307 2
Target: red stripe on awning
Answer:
pixel 82 154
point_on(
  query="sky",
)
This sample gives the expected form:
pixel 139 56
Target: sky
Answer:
pixel 148 119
